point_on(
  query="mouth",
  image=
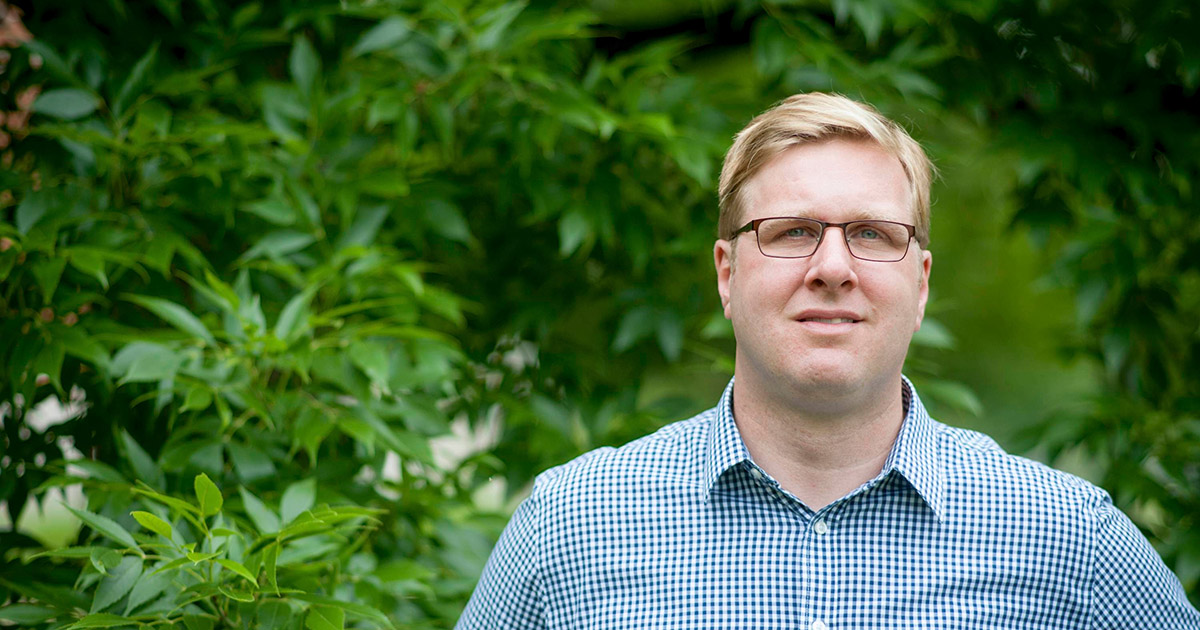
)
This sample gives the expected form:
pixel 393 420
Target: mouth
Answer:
pixel 828 316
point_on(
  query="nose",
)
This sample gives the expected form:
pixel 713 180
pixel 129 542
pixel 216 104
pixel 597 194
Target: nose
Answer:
pixel 831 266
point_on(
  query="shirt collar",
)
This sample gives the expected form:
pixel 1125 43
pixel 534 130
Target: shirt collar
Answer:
pixel 914 454
pixel 725 447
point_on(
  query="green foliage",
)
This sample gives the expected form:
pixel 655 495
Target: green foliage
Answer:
pixel 277 252
pixel 195 563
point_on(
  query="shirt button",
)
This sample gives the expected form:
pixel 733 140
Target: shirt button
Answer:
pixel 819 625
pixel 821 528
pixel 756 473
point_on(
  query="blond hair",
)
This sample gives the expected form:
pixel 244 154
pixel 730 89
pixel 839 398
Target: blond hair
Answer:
pixel 815 117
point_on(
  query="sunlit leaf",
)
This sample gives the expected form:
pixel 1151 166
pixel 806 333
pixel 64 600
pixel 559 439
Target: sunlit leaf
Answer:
pixel 386 34
pixel 105 526
pixel 153 523
pixel 66 103
pixel 175 315
pixel 298 497
pixel 208 496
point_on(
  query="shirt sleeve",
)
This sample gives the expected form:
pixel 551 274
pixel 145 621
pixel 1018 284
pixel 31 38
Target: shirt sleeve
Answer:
pixel 1131 586
pixel 508 596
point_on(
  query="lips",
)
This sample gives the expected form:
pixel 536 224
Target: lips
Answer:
pixel 829 317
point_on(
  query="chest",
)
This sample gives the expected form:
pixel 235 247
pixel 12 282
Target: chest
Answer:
pixel 764 565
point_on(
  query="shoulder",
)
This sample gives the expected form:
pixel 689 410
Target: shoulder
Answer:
pixel 979 468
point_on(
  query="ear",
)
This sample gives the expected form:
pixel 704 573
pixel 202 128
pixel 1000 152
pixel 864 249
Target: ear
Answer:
pixel 923 286
pixel 723 261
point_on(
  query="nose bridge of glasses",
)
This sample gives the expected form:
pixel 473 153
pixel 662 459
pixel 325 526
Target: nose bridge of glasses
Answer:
pixel 822 237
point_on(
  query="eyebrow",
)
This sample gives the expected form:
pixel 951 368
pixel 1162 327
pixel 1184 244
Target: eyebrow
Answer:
pixel 859 215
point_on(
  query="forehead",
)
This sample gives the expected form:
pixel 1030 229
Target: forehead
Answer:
pixel 834 180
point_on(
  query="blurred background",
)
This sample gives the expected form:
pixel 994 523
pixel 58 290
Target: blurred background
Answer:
pixel 297 297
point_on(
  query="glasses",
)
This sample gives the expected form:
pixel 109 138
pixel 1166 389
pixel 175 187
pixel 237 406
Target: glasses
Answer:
pixel 793 237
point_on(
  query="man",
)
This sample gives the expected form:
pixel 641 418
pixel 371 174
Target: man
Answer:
pixel 818 493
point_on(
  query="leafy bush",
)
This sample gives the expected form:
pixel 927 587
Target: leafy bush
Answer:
pixel 273 254
pixel 248 252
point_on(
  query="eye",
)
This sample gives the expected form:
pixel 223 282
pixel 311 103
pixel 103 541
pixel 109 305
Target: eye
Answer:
pixel 869 234
pixel 798 232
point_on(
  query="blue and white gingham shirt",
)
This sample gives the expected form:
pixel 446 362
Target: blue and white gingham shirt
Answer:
pixel 680 529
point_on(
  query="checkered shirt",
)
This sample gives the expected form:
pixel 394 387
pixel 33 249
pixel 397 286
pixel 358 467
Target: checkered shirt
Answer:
pixel 681 529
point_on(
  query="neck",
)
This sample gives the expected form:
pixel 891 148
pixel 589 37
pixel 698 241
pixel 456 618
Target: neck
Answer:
pixel 818 454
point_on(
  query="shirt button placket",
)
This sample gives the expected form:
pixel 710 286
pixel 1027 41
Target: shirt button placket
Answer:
pixel 823 563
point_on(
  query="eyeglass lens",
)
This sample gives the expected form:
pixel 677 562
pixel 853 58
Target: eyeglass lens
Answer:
pixel 797 238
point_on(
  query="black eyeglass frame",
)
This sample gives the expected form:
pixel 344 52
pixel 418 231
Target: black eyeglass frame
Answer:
pixel 752 226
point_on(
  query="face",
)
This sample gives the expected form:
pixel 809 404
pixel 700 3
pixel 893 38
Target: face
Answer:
pixel 829 329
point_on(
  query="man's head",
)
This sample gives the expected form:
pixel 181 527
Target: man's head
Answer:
pixel 810 118
pixel 825 326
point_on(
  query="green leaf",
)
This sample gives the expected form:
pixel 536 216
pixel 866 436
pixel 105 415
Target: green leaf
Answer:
pixel 954 394
pixel 31 210
pixel 208 496
pixel 263 517
pixel 250 463
pixel 237 568
pixel 47 273
pixel 105 526
pixel 145 362
pixel 66 103
pixel 304 64
pixel 402 570
pixel 182 506
pixel 275 210
pixel 134 81
pixel 573 228
pixel 404 443
pixel 104 559
pixel 495 23
pixel 365 227
pixel 89 263
pixel 49 362
pixel 273 615
pixel 103 620
pixel 293 319
pixel 325 618
pixel 270 560
pixel 199 398
pixel 279 244
pixel 237 594
pixel 148 587
pixel 52 62
pixel 637 324
pixel 69 552
pixel 670 335
pixel 28 614
pixel 195 557
pixel 298 497
pixel 153 523
pixel 145 467
pixel 198 622
pixel 172 565
pixel 175 315
pixel 372 359
pixel 80 345
pixel 311 428
pixel 358 610
pixel 932 334
pixel 447 220
pixel 386 34
pixel 118 583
